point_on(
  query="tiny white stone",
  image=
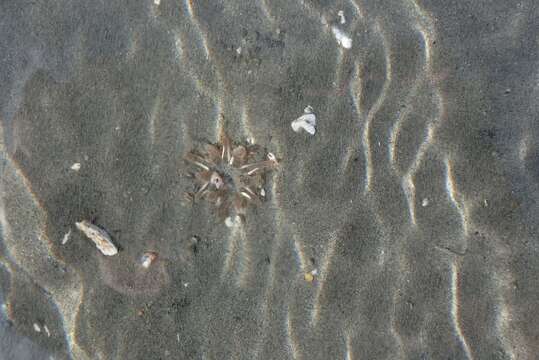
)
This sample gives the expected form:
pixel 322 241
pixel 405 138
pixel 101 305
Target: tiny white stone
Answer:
pixel 37 328
pixel 156 2
pixel 314 272
pixel 341 15
pixel 66 237
pixel 307 121
pixel 344 40
pixel 238 50
pixel 262 192
pixel 425 202
pixel 47 331
pixel 75 166
pixel 146 262
pixel 231 222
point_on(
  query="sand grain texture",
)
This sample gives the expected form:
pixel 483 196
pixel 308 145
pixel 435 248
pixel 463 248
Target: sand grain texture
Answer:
pixel 406 228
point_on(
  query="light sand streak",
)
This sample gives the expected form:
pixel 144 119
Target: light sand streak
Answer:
pixel 231 250
pixel 375 108
pixel 203 37
pixel 314 13
pixel 245 259
pixel 178 47
pixel 291 338
pixel 246 122
pixel 455 312
pixel 68 297
pixel 348 343
pixel 454 196
pixel 358 9
pixel 355 89
pixel 298 247
pixel 408 185
pixel 324 269
pixel 154 114
pixel 270 281
pixel 267 12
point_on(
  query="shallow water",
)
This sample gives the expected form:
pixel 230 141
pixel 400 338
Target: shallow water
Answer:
pixel 405 228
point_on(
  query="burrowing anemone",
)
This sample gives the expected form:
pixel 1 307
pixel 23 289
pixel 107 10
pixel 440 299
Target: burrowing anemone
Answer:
pixel 229 176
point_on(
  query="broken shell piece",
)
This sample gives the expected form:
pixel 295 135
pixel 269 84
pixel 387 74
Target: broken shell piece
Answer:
pixel 344 40
pixel 272 157
pixel 341 16
pixel 307 121
pixel 99 236
pixel 65 239
pixel 148 258
pixel 233 221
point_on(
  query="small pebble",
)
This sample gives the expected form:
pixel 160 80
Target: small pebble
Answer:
pixel 37 328
pixel 75 167
pixel 425 202
pixel 148 258
pixel 309 277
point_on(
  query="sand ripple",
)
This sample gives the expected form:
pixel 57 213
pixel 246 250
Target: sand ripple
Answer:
pixel 375 242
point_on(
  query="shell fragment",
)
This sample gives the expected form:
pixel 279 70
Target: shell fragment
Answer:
pixel 148 258
pixel 342 39
pixel 307 121
pixel 99 236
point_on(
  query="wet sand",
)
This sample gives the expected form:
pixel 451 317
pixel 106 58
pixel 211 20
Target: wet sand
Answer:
pixel 405 228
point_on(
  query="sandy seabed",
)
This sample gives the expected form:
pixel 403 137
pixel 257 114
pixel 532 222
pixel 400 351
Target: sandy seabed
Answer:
pixel 405 228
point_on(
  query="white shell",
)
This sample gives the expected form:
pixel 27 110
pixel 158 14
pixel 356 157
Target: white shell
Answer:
pixel 344 40
pixel 306 122
pixel 232 221
pixel 99 236
pixel 341 15
pixel 65 239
